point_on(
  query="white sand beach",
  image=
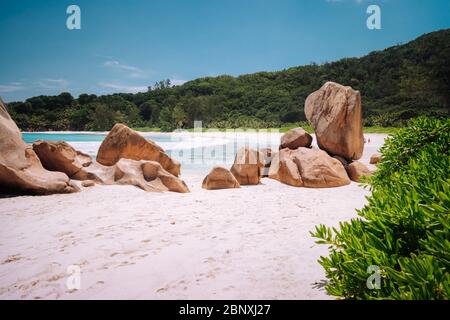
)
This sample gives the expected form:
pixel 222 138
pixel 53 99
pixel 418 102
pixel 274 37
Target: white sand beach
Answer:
pixel 247 243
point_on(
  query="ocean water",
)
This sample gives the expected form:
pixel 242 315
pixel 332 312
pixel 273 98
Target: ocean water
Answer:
pixel 68 137
pixel 90 142
pixel 194 151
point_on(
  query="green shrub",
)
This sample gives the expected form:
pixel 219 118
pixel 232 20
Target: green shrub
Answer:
pixel 405 227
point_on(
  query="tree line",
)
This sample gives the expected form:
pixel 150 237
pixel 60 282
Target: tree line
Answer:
pixel 396 84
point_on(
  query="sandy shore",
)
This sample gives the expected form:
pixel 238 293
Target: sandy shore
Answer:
pixel 248 243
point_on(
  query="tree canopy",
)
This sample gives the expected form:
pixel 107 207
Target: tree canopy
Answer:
pixel 396 84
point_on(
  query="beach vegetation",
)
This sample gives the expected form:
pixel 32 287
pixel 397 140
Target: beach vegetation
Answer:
pixel 404 230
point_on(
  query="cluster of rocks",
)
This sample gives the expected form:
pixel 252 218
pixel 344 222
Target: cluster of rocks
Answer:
pixel 127 158
pixel 21 169
pixel 47 167
pixel 335 113
pixel 246 170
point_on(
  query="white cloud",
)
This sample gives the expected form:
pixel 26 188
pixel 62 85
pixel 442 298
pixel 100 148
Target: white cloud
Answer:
pixel 132 71
pixel 177 82
pixel 43 83
pixel 117 64
pixel 123 87
pixel 48 83
pixel 11 87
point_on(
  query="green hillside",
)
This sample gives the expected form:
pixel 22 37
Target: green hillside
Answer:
pixel 396 84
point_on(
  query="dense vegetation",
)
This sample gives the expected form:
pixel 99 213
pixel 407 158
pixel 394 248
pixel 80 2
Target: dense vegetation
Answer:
pixel 397 84
pixel 405 227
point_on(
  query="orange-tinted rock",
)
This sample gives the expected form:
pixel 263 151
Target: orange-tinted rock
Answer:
pixel 356 170
pixel 284 169
pixel 124 143
pixel 247 165
pixel 88 183
pixel 335 113
pixel 342 160
pixel 268 155
pixel 153 170
pixel 220 178
pixel 60 156
pixel 312 168
pixel 147 175
pixel 375 158
pixel 295 138
pixel 319 170
pixel 21 170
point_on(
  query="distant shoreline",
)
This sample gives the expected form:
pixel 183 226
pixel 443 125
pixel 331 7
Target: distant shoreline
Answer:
pixel 66 132
pixel 378 130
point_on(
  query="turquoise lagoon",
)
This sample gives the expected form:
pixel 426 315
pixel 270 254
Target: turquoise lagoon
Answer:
pixel 194 152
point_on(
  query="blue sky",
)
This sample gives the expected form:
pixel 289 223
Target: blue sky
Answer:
pixel 124 46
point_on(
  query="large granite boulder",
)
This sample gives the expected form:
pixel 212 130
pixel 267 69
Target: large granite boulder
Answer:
pixel 284 169
pixel 220 178
pixel 20 169
pixel 88 183
pixel 356 170
pixel 247 166
pixel 305 167
pixel 268 154
pixel 148 175
pixel 153 171
pixel 122 142
pixel 342 160
pixel 375 158
pixel 60 156
pixel 295 138
pixel 335 113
